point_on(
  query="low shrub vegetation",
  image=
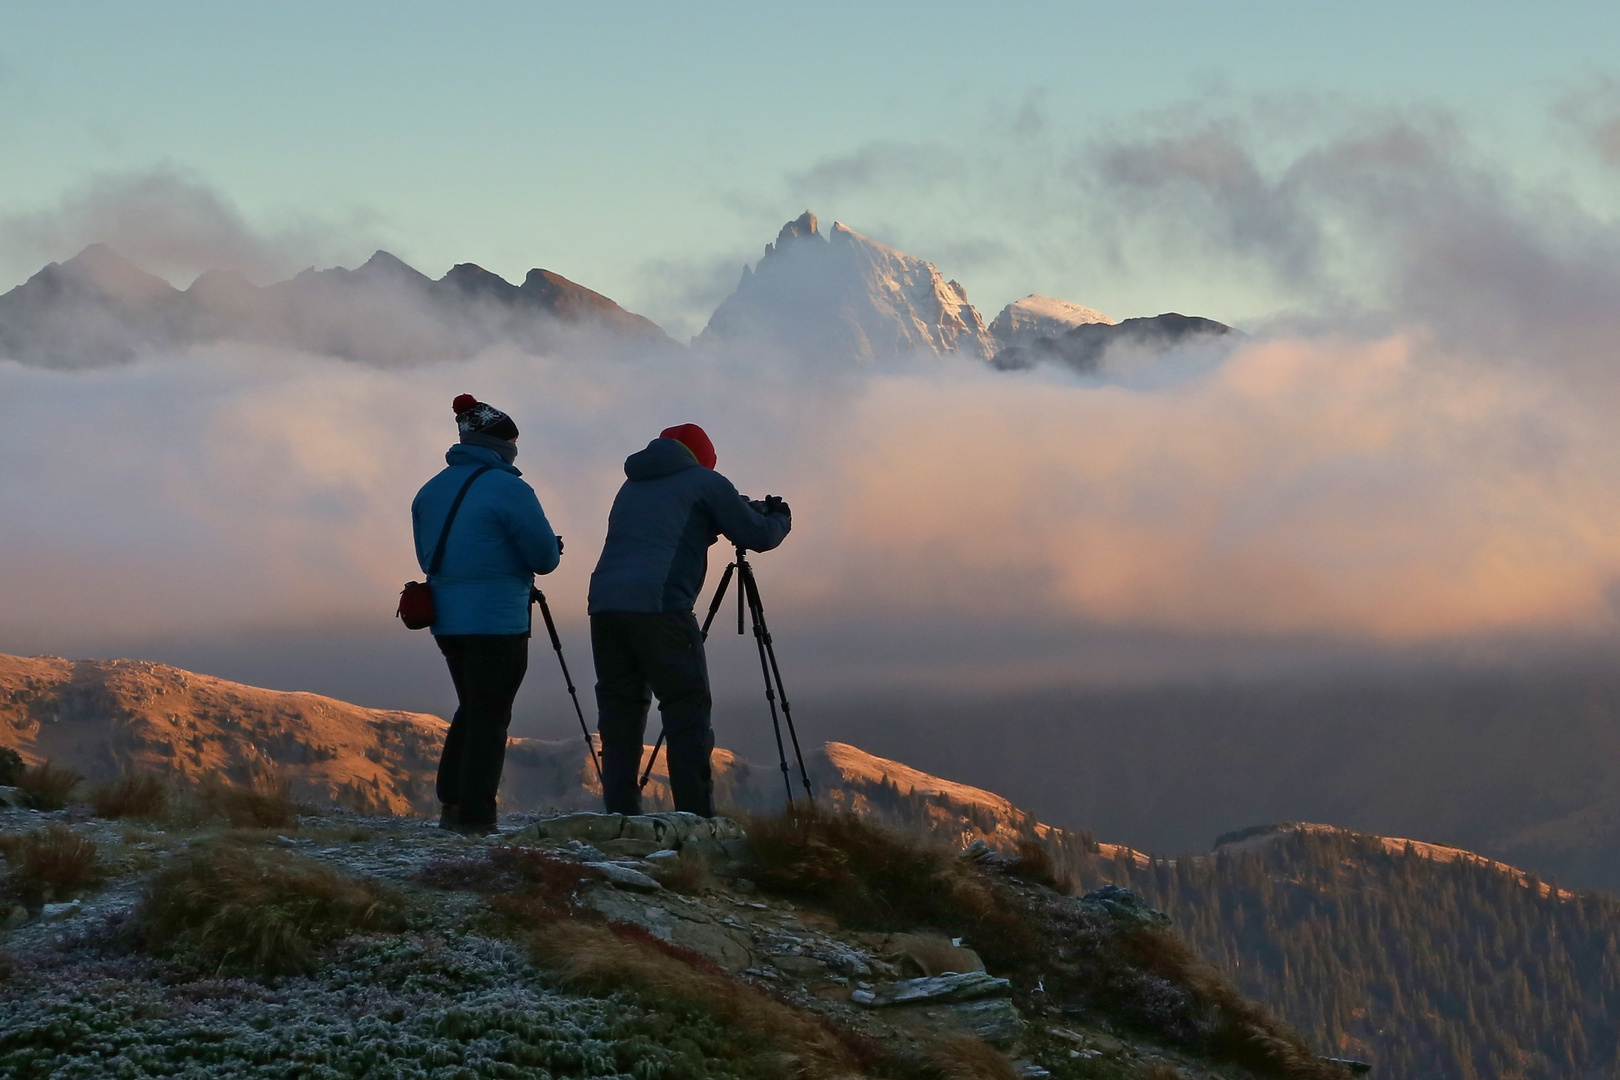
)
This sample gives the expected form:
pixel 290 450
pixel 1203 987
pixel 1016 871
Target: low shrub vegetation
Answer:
pixel 1137 974
pixel 874 878
pixel 137 796
pixel 770 1037
pixel 11 766
pixel 224 907
pixel 45 787
pixel 49 864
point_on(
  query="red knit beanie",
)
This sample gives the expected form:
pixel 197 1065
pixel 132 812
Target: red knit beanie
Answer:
pixel 694 439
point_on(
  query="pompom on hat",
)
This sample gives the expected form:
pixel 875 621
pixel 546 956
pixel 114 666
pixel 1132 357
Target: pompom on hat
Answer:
pixel 475 417
pixel 694 439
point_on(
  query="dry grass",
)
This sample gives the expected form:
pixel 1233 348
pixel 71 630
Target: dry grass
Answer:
pixel 49 864
pixel 775 1037
pixel 227 907
pixel 138 796
pixel 11 766
pixel 874 878
pixel 1245 1032
pixel 1034 865
pixel 45 787
pixel 266 802
pixel 932 954
pixel 1158 1070
pixel 601 959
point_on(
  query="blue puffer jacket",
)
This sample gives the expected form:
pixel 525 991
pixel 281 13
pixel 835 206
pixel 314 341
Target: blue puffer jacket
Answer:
pixel 667 514
pixel 499 541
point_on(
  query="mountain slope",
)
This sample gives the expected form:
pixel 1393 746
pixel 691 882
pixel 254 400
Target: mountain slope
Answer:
pixel 846 295
pixel 1430 960
pixel 1439 969
pixel 99 308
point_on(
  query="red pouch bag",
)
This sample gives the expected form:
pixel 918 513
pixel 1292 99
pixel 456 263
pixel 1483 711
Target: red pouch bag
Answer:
pixel 416 608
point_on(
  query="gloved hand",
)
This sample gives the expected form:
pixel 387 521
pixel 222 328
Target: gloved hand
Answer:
pixel 559 546
pixel 775 504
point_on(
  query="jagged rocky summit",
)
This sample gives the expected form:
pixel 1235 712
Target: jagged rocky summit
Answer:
pixel 842 294
pixel 845 294
pixel 99 308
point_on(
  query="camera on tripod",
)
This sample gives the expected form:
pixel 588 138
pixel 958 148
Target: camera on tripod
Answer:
pixel 751 607
pixel 770 504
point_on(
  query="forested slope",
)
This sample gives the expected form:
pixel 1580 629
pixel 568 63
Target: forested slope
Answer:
pixel 1430 969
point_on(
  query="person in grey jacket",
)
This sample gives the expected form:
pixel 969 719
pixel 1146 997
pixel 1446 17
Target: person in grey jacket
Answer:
pixel 644 635
pixel 499 540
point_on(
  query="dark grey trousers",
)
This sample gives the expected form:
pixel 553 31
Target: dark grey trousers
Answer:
pixel 637 656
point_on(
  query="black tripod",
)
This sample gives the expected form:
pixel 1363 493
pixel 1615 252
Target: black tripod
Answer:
pixel 748 598
pixel 538 597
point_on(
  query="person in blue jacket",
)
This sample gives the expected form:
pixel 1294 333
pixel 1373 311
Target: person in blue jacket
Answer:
pixel 498 541
pixel 644 635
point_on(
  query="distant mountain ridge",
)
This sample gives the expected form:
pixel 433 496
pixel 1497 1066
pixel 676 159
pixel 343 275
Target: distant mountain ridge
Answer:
pixel 838 295
pixel 99 307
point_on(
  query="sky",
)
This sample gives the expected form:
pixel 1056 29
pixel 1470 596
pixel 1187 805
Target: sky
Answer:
pixel 1411 211
pixel 648 150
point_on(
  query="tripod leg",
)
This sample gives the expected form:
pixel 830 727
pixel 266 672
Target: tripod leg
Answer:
pixel 714 609
pixel 556 643
pixel 751 590
pixel 719 595
pixel 651 761
pixel 776 674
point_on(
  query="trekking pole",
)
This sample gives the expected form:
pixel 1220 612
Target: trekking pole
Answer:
pixel 538 597
pixel 714 608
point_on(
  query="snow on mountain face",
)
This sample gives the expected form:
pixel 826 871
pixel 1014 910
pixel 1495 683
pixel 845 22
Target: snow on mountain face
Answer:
pixel 1022 321
pixel 846 294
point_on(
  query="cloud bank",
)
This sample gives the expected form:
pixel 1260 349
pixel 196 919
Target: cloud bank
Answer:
pixel 1420 450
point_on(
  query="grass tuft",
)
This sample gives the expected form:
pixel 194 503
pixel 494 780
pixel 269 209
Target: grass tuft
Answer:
pixel 45 787
pixel 1034 865
pixel 603 959
pixel 138 796
pixel 265 803
pixel 49 864
pixel 224 907
pixel 874 878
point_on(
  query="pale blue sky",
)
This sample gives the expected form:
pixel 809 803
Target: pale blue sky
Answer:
pixel 647 149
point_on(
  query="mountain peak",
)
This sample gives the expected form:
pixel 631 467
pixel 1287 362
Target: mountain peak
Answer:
pixel 847 295
pixel 103 269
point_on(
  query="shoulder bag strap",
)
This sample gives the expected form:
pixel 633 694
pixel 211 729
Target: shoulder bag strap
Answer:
pixel 450 518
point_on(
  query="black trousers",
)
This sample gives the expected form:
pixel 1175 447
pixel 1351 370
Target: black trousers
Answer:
pixel 638 655
pixel 487 670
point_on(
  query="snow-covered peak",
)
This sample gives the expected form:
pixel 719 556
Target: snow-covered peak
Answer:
pixel 1023 321
pixel 847 294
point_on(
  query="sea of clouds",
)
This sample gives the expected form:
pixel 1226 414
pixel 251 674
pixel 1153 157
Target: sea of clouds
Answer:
pixel 1420 449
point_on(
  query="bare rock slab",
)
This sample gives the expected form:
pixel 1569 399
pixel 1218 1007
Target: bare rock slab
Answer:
pixel 682 924
pixel 964 986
